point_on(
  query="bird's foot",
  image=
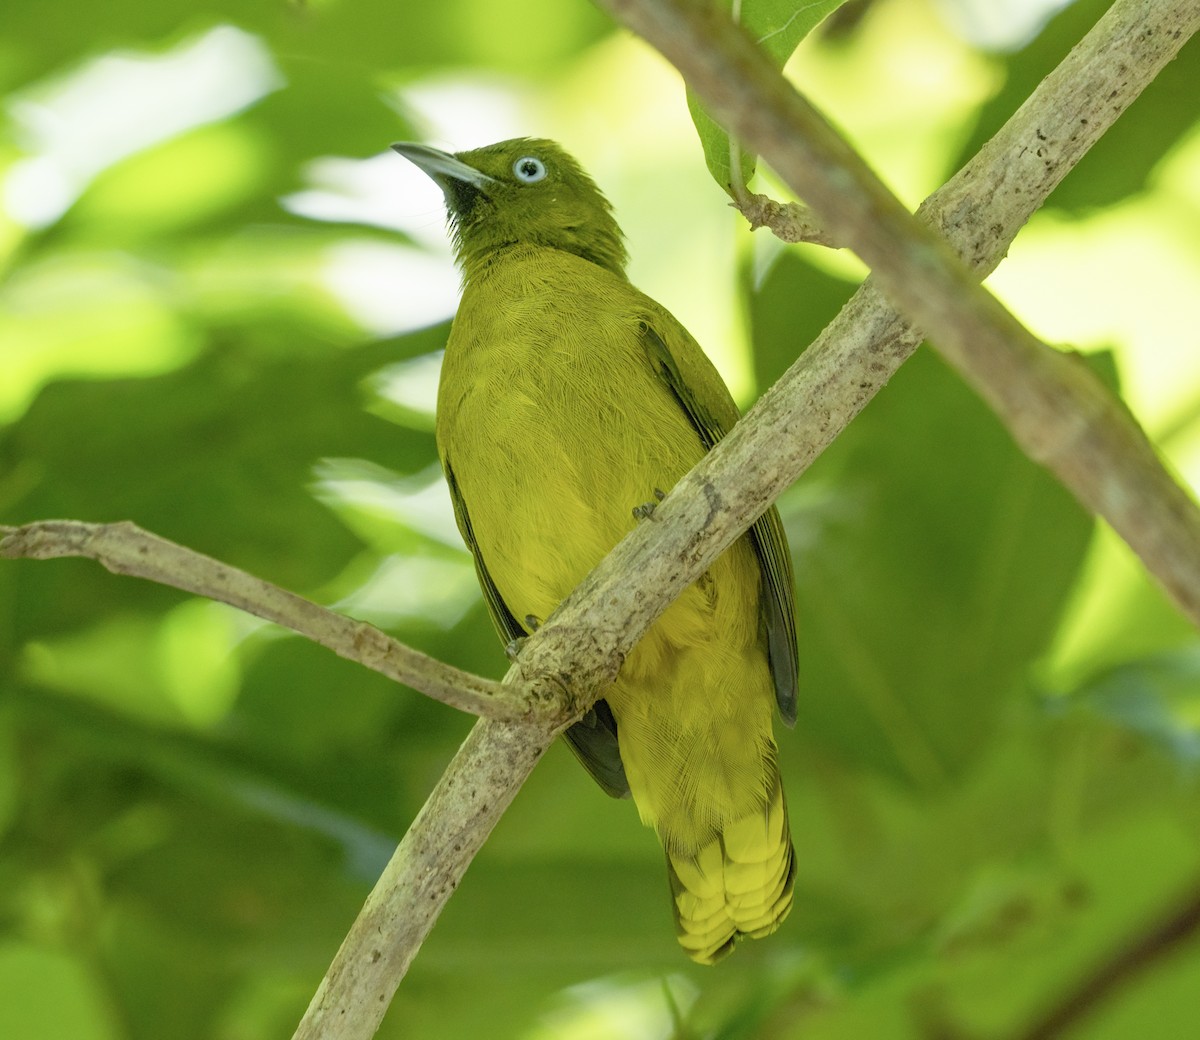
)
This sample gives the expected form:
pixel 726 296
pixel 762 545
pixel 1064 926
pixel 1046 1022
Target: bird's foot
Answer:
pixel 646 510
pixel 513 649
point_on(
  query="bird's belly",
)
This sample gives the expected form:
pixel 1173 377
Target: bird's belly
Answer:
pixel 552 483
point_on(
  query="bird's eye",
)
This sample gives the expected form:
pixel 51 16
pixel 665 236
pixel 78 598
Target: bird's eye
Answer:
pixel 529 170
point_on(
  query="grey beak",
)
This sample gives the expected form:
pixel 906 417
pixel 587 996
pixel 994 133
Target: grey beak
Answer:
pixel 440 165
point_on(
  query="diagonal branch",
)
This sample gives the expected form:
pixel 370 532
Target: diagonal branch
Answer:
pixel 1055 409
pixel 1123 967
pixel 124 548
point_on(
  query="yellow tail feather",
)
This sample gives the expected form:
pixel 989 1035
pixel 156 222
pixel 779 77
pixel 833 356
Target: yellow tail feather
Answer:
pixel 738 884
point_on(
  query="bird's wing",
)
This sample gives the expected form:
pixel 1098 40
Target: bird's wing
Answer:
pixel 506 624
pixel 594 740
pixel 594 737
pixel 680 363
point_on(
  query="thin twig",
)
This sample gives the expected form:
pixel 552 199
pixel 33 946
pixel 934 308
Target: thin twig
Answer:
pixel 1055 408
pixel 790 222
pixel 125 548
pixel 1122 968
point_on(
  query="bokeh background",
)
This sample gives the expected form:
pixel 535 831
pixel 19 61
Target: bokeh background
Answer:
pixel 221 306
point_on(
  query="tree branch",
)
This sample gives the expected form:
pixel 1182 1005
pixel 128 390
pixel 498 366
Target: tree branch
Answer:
pixel 1124 966
pixel 469 799
pixel 125 548
pixel 789 221
pixel 1056 410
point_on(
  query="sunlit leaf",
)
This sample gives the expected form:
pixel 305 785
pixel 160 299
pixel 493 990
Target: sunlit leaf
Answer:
pixel 777 26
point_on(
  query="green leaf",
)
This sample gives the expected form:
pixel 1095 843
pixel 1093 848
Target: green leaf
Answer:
pixel 932 559
pixel 717 146
pixel 49 994
pixel 777 26
pixel 1157 697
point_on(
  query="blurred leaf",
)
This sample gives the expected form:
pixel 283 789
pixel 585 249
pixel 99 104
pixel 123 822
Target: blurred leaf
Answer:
pixel 58 997
pixel 10 791
pixel 1157 697
pixel 111 662
pixel 529 927
pixel 83 313
pixel 777 26
pixel 333 107
pixel 215 455
pixel 791 302
pixel 182 184
pixel 932 562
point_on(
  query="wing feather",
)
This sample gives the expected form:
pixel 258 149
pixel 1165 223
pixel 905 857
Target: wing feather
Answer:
pixel 685 368
pixel 594 737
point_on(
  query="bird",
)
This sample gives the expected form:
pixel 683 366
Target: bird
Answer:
pixel 568 403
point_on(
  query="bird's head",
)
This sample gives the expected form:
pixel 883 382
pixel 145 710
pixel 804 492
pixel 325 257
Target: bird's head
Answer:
pixel 523 191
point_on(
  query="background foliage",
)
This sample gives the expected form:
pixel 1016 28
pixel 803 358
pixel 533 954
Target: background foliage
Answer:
pixel 220 310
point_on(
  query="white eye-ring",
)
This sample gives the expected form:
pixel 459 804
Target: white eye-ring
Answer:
pixel 529 169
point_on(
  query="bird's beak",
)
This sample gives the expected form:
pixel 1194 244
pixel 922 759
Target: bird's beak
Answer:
pixel 441 165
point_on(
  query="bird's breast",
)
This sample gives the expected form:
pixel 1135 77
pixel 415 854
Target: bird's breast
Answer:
pixel 556 427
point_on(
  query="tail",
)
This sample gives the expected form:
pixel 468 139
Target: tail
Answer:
pixel 738 884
